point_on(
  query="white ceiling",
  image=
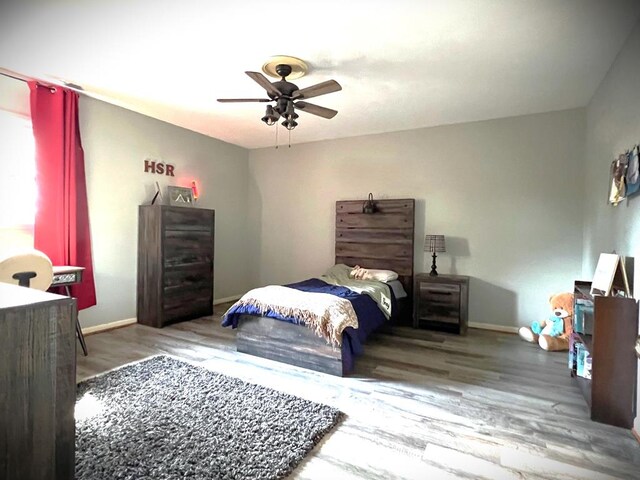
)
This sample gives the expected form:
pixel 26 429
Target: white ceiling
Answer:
pixel 402 64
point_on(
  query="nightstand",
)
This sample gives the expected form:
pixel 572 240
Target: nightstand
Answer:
pixel 441 302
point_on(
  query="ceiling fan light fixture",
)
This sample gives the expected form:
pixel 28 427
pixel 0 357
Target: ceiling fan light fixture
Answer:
pixel 271 116
pixel 289 124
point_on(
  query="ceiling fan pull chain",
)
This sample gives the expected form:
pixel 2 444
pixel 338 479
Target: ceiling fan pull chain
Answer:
pixel 276 136
pixel 289 138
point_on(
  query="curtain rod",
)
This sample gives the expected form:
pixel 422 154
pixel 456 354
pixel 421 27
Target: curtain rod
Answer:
pixel 13 76
pixel 22 78
pixel 50 86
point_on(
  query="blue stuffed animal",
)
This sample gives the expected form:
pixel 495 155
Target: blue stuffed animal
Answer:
pixel 554 326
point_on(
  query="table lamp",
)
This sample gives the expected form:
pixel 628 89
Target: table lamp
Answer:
pixel 434 244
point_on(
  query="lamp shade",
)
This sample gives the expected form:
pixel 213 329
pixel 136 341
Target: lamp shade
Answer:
pixel 434 243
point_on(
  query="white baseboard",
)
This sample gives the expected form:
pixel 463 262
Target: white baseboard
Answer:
pixel 494 328
pixel 130 321
pixel 109 326
pixel 233 298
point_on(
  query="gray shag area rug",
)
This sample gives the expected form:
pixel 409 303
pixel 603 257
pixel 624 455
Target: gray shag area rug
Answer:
pixel 165 419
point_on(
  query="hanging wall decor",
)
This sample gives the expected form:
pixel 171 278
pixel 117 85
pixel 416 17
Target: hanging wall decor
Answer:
pixel 633 172
pixel 624 176
pixel 617 173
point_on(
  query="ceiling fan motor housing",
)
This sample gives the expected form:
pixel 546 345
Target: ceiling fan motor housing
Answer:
pixel 286 88
pixel 283 70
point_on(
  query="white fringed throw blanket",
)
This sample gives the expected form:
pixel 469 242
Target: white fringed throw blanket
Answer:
pixel 327 315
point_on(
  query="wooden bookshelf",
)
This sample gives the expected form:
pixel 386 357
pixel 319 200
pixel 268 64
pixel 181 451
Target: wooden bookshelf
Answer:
pixel 610 393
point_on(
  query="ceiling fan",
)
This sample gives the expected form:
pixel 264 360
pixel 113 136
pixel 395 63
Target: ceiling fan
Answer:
pixel 288 97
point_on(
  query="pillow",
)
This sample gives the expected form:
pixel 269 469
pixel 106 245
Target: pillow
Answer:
pixel 398 290
pixel 373 274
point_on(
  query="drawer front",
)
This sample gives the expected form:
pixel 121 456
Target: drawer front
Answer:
pixel 440 317
pixel 438 312
pixel 191 275
pixel 187 247
pixel 190 219
pixel 435 295
pixel 187 302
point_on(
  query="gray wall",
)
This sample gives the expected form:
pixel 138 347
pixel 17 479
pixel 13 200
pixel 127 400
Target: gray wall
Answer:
pixel 116 142
pixel 613 126
pixel 506 193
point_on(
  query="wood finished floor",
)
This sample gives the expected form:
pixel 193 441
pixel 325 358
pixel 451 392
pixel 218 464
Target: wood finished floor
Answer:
pixel 420 405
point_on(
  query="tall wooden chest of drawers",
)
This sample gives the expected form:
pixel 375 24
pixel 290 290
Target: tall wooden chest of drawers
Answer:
pixel 441 302
pixel 175 264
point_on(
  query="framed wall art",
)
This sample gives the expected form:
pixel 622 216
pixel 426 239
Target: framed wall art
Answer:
pixel 180 196
pixel 624 176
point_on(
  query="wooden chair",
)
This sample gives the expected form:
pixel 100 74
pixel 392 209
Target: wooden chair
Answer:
pixel 29 268
pixel 32 268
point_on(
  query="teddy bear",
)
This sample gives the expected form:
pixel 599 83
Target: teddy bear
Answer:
pixel 553 334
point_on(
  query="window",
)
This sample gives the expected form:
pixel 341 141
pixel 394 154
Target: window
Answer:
pixel 18 190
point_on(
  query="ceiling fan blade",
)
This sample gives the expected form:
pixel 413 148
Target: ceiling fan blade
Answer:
pixel 323 88
pixel 264 83
pixel 316 109
pixel 229 100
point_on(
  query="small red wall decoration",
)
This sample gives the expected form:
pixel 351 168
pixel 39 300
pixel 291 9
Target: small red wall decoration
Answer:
pixel 151 166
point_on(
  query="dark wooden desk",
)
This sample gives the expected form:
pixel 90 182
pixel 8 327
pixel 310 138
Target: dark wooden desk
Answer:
pixel 63 276
pixel 37 384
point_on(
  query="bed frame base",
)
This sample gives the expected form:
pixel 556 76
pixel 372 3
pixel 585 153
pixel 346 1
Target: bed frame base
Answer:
pixel 288 343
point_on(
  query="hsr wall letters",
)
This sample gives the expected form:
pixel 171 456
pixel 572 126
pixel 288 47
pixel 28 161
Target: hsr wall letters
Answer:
pixel 151 166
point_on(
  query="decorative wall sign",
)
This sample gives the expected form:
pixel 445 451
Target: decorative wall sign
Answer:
pixel 151 166
pixel 180 196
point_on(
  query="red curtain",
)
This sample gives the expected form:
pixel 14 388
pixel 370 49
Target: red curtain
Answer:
pixel 61 227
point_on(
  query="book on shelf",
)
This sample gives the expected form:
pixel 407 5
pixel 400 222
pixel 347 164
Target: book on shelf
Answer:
pixel 572 353
pixel 583 361
pixel 578 318
pixel 582 315
pixel 587 367
pixel 579 358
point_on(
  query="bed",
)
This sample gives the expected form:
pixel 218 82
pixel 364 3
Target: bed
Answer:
pixel 382 240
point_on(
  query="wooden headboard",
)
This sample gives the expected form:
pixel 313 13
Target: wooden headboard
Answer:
pixel 380 240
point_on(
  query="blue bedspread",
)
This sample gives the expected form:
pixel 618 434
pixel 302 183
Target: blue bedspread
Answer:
pixel 370 317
